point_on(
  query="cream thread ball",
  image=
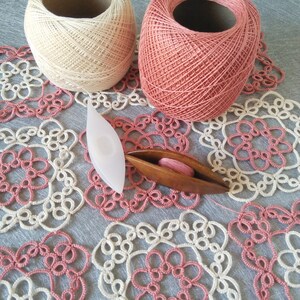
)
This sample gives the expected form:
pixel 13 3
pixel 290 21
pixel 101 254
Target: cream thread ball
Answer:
pixel 81 45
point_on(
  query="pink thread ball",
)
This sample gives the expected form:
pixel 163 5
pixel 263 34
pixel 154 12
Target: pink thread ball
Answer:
pixel 192 75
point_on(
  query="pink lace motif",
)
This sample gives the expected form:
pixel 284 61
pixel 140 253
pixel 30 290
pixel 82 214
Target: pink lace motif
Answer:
pixel 265 75
pixel 255 227
pixel 57 263
pixel 34 178
pixel 146 131
pixel 8 53
pixel 244 148
pixel 166 267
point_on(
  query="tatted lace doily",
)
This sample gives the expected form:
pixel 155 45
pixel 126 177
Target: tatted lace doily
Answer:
pixel 50 269
pixel 255 146
pixel 24 91
pixel 37 186
pixel 261 232
pixel 146 131
pixel 135 261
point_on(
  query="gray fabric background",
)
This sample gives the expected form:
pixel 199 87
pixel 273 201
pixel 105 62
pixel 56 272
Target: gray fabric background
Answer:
pixel 281 24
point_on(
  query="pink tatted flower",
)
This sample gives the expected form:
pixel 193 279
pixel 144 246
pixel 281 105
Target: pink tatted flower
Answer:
pixel 34 178
pixel 255 230
pixel 56 258
pixel 244 148
pixel 167 267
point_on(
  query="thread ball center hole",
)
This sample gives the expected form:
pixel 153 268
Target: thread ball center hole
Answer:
pixel 77 8
pixel 204 16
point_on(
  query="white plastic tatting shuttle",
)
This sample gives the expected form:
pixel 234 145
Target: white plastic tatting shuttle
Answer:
pixel 105 150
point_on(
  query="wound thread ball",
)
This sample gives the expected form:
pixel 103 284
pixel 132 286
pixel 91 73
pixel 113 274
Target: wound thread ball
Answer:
pixel 81 45
pixel 195 72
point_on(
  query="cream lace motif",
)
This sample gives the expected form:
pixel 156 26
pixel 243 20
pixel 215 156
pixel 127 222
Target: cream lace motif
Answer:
pixel 255 146
pixel 107 101
pixel 290 259
pixel 191 240
pixel 37 184
pixel 16 290
pixel 19 79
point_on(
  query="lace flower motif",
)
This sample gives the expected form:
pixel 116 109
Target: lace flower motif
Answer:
pixel 290 260
pixel 257 231
pixel 37 184
pixel 54 259
pixel 24 91
pixel 32 175
pixel 12 89
pixel 255 146
pixel 146 131
pixel 245 149
pixel 166 267
pixel 134 261
pixel 13 291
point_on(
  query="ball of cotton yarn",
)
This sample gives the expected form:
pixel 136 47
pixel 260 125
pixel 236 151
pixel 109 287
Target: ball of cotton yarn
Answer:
pixel 81 45
pixel 193 75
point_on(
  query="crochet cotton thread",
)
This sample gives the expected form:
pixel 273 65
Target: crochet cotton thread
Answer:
pixel 193 75
pixel 81 45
